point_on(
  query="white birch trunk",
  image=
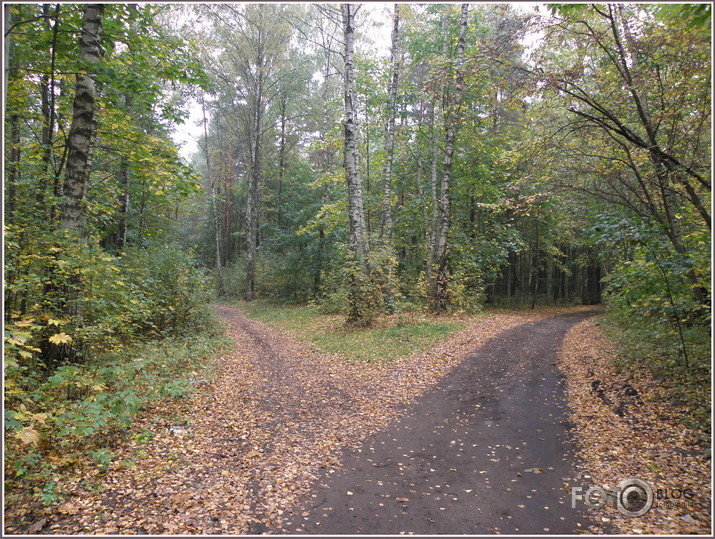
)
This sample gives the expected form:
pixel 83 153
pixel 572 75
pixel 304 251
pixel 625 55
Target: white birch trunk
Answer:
pixel 439 299
pixel 358 240
pixel 387 225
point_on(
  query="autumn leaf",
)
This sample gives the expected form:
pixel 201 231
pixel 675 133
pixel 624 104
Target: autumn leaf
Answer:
pixel 60 338
pixel 67 508
pixel 28 435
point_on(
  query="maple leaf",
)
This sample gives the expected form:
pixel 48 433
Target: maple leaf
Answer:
pixel 60 338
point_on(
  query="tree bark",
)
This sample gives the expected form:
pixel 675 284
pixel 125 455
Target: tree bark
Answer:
pixel 214 203
pixel 441 280
pixel 84 123
pixel 386 228
pixel 358 240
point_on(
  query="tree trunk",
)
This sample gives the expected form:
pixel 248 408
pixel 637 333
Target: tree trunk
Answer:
pixel 281 159
pixel 434 183
pixel 7 12
pixel 214 203
pixel 12 168
pixel 254 174
pixel 439 297
pixel 228 205
pixel 386 228
pixel 84 124
pixel 358 242
pixel 79 152
pixel 123 180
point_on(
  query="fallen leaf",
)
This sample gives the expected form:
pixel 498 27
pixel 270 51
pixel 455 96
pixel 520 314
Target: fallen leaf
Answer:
pixel 67 508
pixel 36 526
pixel 534 470
pixel 402 499
pixel 28 435
pixel 253 454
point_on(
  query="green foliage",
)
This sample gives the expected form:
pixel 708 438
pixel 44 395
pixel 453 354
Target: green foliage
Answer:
pixel 654 314
pixel 359 294
pixel 74 416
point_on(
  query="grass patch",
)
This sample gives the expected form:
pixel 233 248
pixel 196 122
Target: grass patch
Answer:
pixel 389 338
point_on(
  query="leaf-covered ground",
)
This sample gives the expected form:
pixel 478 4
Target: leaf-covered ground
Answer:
pixel 248 446
pixel 625 430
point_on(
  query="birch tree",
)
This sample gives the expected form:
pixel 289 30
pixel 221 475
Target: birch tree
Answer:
pixel 386 229
pixel 84 122
pixel 358 240
pixel 440 269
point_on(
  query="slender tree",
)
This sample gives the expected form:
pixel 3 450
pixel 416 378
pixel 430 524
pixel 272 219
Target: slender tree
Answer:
pixel 387 225
pixel 358 239
pixel 453 112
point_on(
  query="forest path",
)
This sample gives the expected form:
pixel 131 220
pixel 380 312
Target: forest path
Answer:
pixel 485 451
pixel 280 415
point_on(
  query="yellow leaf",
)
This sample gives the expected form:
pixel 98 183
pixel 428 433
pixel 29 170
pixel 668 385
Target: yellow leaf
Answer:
pixel 53 322
pixel 252 454
pixel 39 417
pixel 28 435
pixel 60 338
pixel 67 508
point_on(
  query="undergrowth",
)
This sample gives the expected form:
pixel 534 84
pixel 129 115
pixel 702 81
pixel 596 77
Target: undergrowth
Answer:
pixel 654 347
pixel 78 416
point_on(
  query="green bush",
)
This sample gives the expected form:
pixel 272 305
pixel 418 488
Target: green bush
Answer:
pixel 53 423
pixel 655 314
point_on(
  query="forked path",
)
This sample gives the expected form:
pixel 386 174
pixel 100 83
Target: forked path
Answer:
pixel 262 438
pixel 485 451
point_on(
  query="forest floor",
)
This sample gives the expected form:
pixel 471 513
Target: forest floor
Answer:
pixel 249 453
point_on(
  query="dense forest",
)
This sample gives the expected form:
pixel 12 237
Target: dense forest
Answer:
pixel 369 159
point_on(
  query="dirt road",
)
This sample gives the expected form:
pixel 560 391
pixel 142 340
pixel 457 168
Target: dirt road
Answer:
pixel 485 451
pixel 255 445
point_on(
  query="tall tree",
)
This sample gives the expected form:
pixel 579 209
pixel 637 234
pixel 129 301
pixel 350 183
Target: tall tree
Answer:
pixel 387 225
pixel 84 122
pixel 639 93
pixel 358 239
pixel 439 299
